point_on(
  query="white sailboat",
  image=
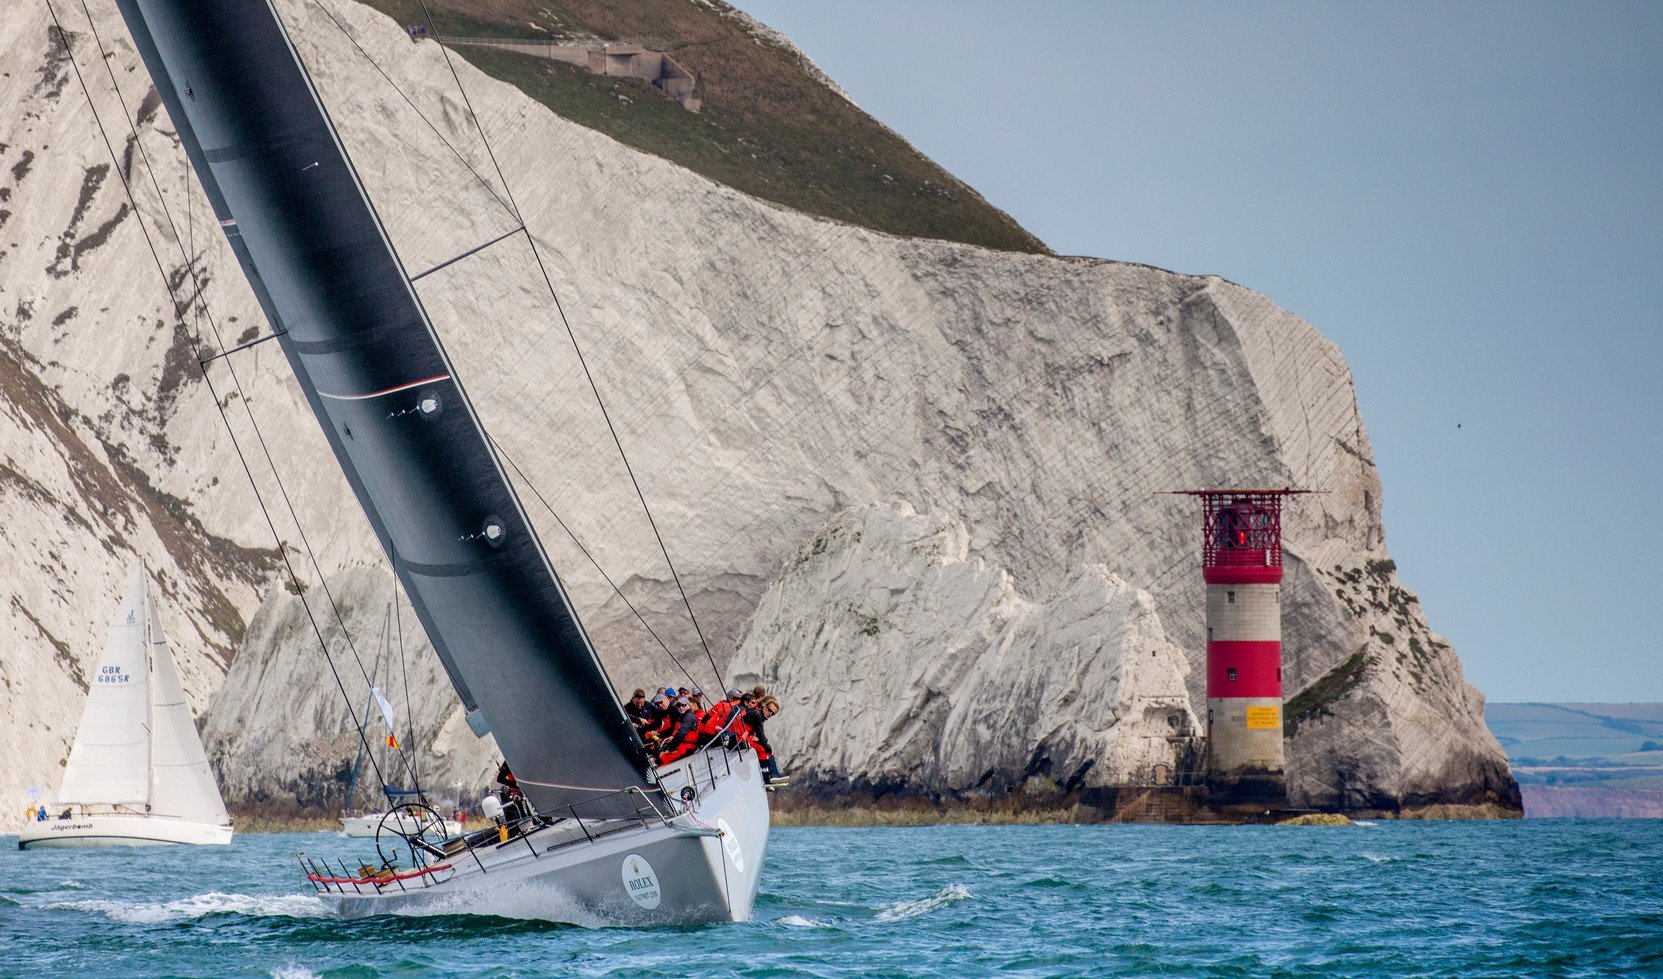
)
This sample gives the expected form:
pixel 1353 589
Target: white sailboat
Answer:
pixel 137 774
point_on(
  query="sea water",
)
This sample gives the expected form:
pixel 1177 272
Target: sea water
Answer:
pixel 1383 898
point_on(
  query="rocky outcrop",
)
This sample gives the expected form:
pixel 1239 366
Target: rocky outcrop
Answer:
pixel 905 663
pixel 770 374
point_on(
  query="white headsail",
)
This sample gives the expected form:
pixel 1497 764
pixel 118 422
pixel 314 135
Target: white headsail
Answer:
pixel 181 784
pixel 109 763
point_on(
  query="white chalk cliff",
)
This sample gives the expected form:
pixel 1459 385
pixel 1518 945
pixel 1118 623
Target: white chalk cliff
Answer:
pixel 979 439
pixel 909 664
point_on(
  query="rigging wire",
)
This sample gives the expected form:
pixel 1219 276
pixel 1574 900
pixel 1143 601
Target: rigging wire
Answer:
pixel 618 591
pixel 199 304
pixel 433 335
pixel 548 282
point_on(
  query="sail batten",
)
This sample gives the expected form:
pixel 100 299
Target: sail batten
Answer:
pixel 375 374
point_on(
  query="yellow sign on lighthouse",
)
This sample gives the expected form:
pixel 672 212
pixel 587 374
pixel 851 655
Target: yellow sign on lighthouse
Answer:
pixel 1263 718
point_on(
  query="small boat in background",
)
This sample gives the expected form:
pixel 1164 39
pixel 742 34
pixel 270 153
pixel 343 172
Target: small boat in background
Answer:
pixel 366 824
pixel 363 823
pixel 137 774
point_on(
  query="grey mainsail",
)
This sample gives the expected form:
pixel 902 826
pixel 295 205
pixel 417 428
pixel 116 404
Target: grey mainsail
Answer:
pixel 378 380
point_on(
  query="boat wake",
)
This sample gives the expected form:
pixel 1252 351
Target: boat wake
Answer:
pixel 527 902
pixel 201 906
pixel 951 894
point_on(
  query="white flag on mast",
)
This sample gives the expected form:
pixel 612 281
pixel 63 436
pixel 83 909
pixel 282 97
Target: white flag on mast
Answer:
pixel 386 708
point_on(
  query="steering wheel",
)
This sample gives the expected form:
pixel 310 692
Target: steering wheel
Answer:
pixel 416 824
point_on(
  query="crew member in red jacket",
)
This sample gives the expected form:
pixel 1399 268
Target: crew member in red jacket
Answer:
pixel 716 718
pixel 685 737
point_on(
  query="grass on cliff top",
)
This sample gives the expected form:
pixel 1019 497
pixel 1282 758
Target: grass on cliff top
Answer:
pixel 767 127
pixel 1315 700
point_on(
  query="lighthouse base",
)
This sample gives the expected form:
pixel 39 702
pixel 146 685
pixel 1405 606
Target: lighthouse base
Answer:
pixel 1268 789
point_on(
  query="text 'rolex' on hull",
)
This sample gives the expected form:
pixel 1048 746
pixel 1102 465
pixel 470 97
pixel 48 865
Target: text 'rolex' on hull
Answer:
pixel 366 355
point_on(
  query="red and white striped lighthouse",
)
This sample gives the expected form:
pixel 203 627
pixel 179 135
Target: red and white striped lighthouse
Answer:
pixel 1241 561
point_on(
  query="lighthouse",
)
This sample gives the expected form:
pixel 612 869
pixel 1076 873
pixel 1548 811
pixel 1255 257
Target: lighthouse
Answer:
pixel 1241 562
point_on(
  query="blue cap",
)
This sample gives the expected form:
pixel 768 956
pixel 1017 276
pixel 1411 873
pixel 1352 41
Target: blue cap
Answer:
pixel 670 692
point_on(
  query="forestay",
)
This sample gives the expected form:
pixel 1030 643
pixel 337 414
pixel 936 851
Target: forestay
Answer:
pixel 376 376
pixel 109 764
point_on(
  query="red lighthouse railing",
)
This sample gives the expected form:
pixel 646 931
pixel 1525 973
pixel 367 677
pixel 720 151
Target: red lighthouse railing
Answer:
pixel 1241 534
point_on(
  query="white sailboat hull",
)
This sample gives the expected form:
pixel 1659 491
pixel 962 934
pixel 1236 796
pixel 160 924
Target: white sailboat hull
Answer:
pixel 118 829
pixel 360 827
pixel 703 866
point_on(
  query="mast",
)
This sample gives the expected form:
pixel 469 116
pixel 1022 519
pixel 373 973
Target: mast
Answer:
pixel 376 376
pixel 150 672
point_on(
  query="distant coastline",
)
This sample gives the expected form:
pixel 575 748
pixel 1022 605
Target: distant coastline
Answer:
pixel 1582 760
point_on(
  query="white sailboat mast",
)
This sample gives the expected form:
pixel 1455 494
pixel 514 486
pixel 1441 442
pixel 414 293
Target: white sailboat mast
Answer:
pixel 150 671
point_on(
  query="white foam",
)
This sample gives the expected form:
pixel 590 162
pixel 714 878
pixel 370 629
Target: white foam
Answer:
pixel 201 905
pixel 292 972
pixel 951 894
pixel 798 921
pixel 526 901
pixel 1366 822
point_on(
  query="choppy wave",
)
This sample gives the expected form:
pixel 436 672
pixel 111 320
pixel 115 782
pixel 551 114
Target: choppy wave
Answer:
pixel 951 894
pixel 798 921
pixel 201 906
pixel 1446 899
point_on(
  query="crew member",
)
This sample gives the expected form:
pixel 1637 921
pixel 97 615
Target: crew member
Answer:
pixel 716 718
pixel 754 719
pixel 512 799
pixel 637 708
pixel 685 737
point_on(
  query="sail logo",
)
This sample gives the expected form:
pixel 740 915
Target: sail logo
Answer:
pixel 730 843
pixel 112 674
pixel 133 616
pixel 641 882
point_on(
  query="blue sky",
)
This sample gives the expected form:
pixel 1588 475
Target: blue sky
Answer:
pixel 1466 197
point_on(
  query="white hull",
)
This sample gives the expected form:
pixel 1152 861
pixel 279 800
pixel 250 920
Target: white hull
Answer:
pixel 701 866
pixel 121 830
pixel 360 827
